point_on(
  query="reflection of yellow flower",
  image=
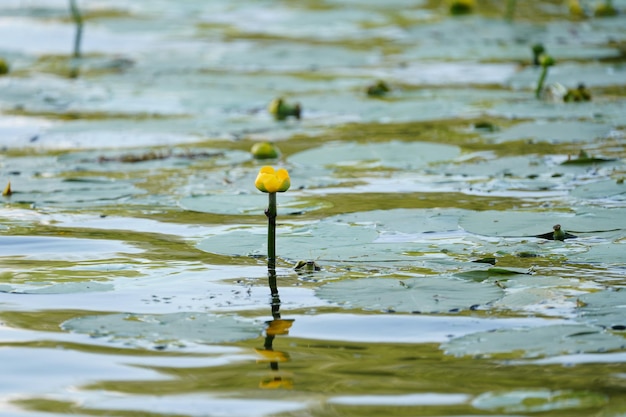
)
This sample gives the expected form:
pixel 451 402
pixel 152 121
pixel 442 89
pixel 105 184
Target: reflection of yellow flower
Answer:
pixel 278 327
pixel 272 355
pixel 271 181
pixel 276 383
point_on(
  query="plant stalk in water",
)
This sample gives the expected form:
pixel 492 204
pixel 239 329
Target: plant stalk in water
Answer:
pixel 78 20
pixel 545 61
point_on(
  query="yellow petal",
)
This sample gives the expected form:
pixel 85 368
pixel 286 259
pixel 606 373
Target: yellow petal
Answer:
pixel 285 181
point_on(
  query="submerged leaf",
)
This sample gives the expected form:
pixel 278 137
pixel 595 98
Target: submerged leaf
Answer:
pixel 481 275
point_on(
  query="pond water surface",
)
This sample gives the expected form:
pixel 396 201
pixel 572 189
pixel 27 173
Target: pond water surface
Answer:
pixel 133 274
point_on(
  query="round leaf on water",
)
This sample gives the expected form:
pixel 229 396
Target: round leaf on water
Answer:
pixel 536 401
pixel 62 248
pixel 394 154
pixel 554 131
pixel 239 243
pixel 535 342
pixel 424 295
pixel 532 223
pixel 513 223
pixel 407 220
pixel 604 308
pixel 608 253
pixel 73 192
pixel 175 328
pixel 601 189
pixel 66 288
pixel 249 204
pixel 325 240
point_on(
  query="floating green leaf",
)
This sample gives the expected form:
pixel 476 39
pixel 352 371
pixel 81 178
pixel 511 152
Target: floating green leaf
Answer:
pixel 531 223
pixel 535 342
pixel 160 330
pixel 423 295
pixel 604 308
pixel 393 154
pixel 600 189
pixel 407 220
pixel 250 204
pixel 607 253
pixel 537 401
pixel 62 288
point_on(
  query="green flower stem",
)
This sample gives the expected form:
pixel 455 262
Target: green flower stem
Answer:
pixel 542 78
pixel 545 61
pixel 78 20
pixel 271 232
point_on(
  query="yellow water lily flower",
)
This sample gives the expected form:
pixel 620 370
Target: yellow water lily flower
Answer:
pixel 272 181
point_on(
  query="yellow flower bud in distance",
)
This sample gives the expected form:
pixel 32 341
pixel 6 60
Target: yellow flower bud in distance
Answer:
pixel 272 181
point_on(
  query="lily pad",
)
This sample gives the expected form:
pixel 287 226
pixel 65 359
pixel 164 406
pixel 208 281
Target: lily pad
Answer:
pixel 601 189
pixel 165 329
pixel 537 401
pixel 535 342
pixel 60 288
pixel 608 254
pixel 250 204
pixel 141 159
pixel 423 295
pixel 46 247
pixel 393 154
pixel 553 131
pixel 533 223
pixel 326 240
pixel 604 308
pixel 407 220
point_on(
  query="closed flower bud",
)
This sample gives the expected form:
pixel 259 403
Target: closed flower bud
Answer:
pixel 272 181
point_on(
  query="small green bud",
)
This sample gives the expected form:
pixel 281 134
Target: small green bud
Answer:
pixel 4 66
pixel 546 60
pixel 281 110
pixel 380 88
pixel 265 150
